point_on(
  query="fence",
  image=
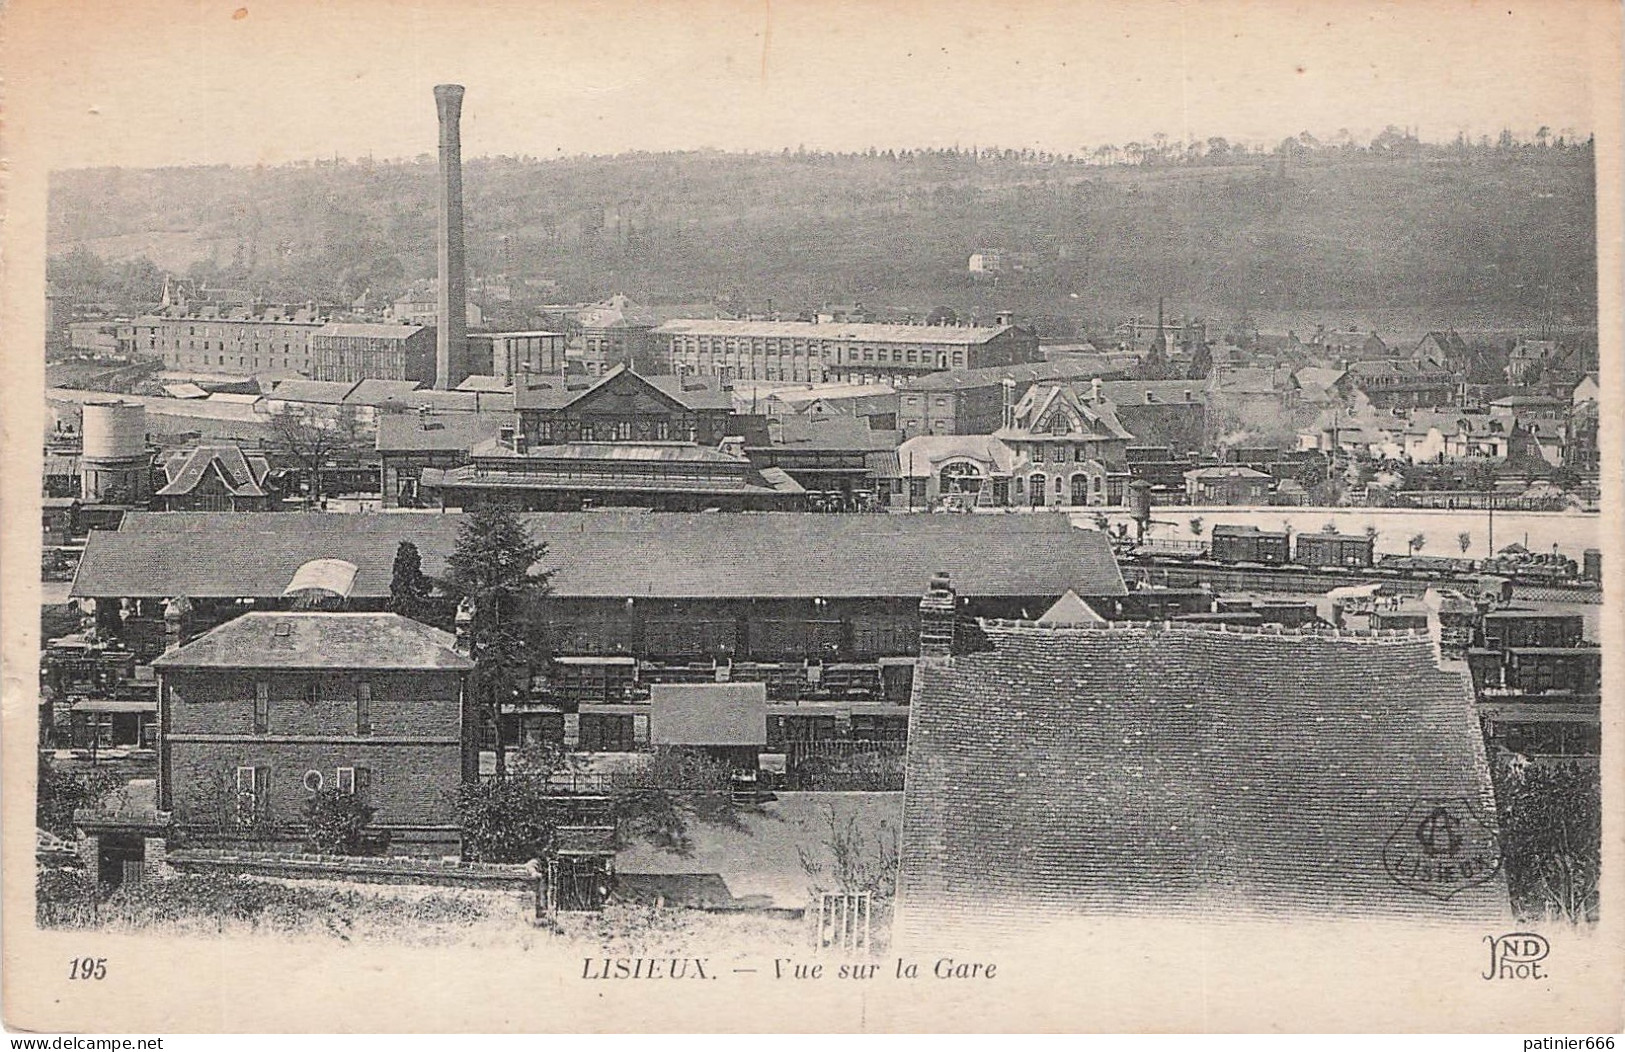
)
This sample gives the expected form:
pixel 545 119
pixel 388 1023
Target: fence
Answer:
pixel 844 921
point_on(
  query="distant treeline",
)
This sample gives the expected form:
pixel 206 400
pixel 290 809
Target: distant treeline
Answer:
pixel 1488 227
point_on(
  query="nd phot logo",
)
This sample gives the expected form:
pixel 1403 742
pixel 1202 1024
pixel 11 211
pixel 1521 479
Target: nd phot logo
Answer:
pixel 1517 956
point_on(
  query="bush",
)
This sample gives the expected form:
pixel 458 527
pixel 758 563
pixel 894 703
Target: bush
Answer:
pixel 59 793
pixel 510 820
pixel 336 823
pixel 64 897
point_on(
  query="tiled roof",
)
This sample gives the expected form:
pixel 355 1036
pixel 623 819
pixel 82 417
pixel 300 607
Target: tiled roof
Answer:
pixel 857 332
pixel 319 640
pixel 243 476
pixel 612 554
pixel 1180 769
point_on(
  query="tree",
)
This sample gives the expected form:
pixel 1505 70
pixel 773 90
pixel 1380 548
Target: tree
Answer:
pixel 1464 540
pixel 1201 363
pixel 1196 526
pixel 1328 527
pixel 1550 817
pixel 1371 535
pixel 409 589
pixel 494 574
pixel 1417 542
pixel 312 438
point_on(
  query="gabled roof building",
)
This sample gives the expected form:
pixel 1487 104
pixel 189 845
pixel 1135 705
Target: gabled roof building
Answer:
pixel 215 478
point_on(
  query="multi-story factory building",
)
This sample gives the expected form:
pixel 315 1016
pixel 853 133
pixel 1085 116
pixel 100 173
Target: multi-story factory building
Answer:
pixel 352 351
pixel 814 352
pixel 236 340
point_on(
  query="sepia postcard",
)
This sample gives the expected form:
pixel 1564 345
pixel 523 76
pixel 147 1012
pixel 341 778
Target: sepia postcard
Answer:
pixel 780 516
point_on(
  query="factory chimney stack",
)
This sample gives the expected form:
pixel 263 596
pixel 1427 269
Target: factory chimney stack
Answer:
pixel 451 335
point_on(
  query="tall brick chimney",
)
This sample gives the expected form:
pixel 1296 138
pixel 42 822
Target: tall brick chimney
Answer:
pixel 451 335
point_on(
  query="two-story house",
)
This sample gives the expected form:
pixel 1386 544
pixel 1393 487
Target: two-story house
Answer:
pixel 260 713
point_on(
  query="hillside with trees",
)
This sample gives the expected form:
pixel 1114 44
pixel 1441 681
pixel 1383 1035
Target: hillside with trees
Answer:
pixel 1499 232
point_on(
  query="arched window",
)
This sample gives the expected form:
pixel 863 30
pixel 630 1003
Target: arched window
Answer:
pixel 1036 489
pixel 960 477
pixel 1080 489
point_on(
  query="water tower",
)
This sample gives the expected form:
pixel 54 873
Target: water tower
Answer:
pixel 115 466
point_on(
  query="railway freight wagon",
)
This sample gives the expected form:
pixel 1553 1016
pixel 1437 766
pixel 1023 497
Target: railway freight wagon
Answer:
pixel 1334 549
pixel 1249 544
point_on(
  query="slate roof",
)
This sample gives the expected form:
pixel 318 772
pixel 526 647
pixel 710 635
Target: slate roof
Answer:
pixel 610 554
pixel 1179 769
pixel 319 640
pixel 243 476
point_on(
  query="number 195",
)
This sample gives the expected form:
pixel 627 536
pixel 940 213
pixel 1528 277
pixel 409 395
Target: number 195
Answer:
pixel 88 968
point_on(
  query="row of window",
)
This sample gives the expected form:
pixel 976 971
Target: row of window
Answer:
pixel 895 355
pixel 254 787
pixel 312 698
pixel 1078 454
pixel 609 430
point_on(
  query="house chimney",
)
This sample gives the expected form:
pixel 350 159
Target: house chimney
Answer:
pixel 465 628
pixel 451 337
pixel 938 611
pixel 1095 395
pixel 177 612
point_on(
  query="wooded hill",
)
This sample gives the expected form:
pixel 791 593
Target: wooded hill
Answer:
pixel 1492 234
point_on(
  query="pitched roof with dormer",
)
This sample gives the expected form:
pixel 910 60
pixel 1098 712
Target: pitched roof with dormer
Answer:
pixel 1056 411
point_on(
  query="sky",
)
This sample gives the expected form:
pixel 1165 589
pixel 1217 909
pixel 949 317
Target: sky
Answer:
pixel 150 83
